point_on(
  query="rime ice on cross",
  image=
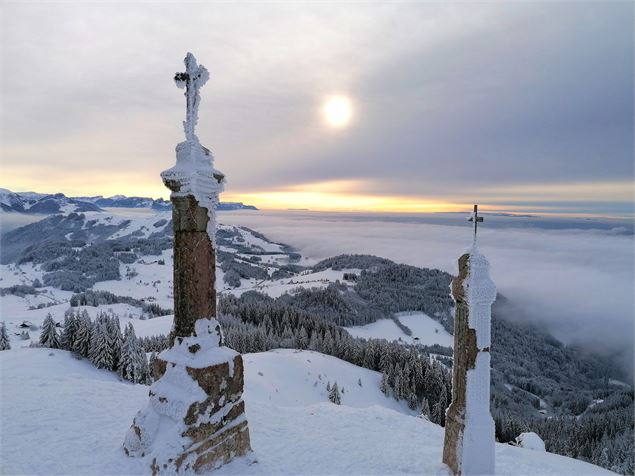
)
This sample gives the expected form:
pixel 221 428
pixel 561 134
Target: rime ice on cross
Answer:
pixel 193 79
pixel 476 219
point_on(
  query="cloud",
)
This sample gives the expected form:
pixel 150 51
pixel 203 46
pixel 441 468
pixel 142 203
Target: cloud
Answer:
pixel 579 283
pixel 448 98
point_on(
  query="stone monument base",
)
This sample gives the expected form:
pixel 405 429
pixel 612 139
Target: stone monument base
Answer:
pixel 195 419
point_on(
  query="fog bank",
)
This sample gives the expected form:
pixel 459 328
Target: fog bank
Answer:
pixel 578 282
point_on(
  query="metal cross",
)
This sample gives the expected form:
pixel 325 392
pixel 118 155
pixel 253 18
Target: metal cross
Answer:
pixel 476 220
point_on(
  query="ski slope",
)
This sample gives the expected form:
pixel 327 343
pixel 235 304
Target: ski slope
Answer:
pixel 62 416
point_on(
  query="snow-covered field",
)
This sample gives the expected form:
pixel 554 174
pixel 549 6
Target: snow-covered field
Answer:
pixel 62 416
pixel 276 288
pixel 425 330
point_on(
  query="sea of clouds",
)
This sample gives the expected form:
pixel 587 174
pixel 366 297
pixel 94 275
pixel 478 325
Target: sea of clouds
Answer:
pixel 579 282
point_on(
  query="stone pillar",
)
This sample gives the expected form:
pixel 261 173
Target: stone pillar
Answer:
pixel 194 266
pixel 469 428
pixel 195 419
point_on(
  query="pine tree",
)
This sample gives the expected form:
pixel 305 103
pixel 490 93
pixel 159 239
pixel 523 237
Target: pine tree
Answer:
pixel 67 340
pixel 327 344
pixel 438 411
pixel 151 364
pixel 334 395
pixel 412 400
pixel 604 460
pixel 302 339
pixel 81 345
pixel 127 351
pixel 5 344
pixel 49 337
pixel 425 409
pixel 383 386
pixel 140 360
pixel 115 341
pixel 133 365
pixel 328 386
pixel 100 354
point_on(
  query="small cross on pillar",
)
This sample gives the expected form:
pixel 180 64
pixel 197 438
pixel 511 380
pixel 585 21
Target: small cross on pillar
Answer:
pixel 476 220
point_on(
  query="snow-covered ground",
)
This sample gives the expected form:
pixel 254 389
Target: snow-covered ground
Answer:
pixel 276 288
pixel 62 416
pixel 425 330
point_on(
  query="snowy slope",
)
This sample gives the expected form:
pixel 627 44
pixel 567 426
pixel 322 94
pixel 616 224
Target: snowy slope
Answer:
pixel 425 330
pixel 63 416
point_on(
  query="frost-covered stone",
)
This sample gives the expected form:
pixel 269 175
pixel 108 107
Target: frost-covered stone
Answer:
pixel 469 429
pixel 195 418
pixel 531 441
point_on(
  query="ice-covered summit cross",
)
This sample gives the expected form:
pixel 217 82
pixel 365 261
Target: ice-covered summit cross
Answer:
pixel 476 220
pixel 193 79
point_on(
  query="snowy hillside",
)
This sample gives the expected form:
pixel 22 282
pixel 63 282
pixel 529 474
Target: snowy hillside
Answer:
pixel 62 416
pixel 120 262
pixel 423 330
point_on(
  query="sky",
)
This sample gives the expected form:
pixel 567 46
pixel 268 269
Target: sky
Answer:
pixel 576 282
pixel 519 106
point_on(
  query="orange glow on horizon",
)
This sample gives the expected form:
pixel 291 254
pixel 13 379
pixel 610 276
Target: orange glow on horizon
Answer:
pixel 333 201
pixel 343 195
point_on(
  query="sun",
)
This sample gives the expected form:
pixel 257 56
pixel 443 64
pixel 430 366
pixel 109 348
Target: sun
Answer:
pixel 337 111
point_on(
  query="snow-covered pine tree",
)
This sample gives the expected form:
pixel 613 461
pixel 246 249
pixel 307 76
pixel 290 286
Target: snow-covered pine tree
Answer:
pixel 438 410
pixel 99 352
pixel 604 460
pixel 412 400
pixel 327 344
pixel 425 409
pixel 125 369
pixel 49 337
pixel 383 386
pixel 5 344
pixel 70 330
pixel 334 395
pixel 115 341
pixel 142 369
pixel 315 343
pixel 151 362
pixel 302 339
pixel 328 386
pixel 133 365
pixel 81 346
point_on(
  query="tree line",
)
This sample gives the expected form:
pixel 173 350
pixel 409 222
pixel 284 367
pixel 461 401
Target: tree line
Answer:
pixel 101 342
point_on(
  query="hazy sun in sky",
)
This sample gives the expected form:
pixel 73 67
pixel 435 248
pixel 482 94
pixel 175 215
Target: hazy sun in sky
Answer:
pixel 337 111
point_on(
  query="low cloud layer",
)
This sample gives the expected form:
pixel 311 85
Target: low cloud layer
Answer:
pixel 578 282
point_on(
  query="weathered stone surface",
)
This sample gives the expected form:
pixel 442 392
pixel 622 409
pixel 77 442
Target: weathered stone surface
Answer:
pixel 214 452
pixel 464 358
pixel 212 431
pixel 194 266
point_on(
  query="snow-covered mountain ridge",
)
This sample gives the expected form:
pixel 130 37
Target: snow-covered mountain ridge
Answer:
pixel 46 204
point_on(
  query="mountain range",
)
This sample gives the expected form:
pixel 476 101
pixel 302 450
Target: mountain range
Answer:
pixel 47 204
